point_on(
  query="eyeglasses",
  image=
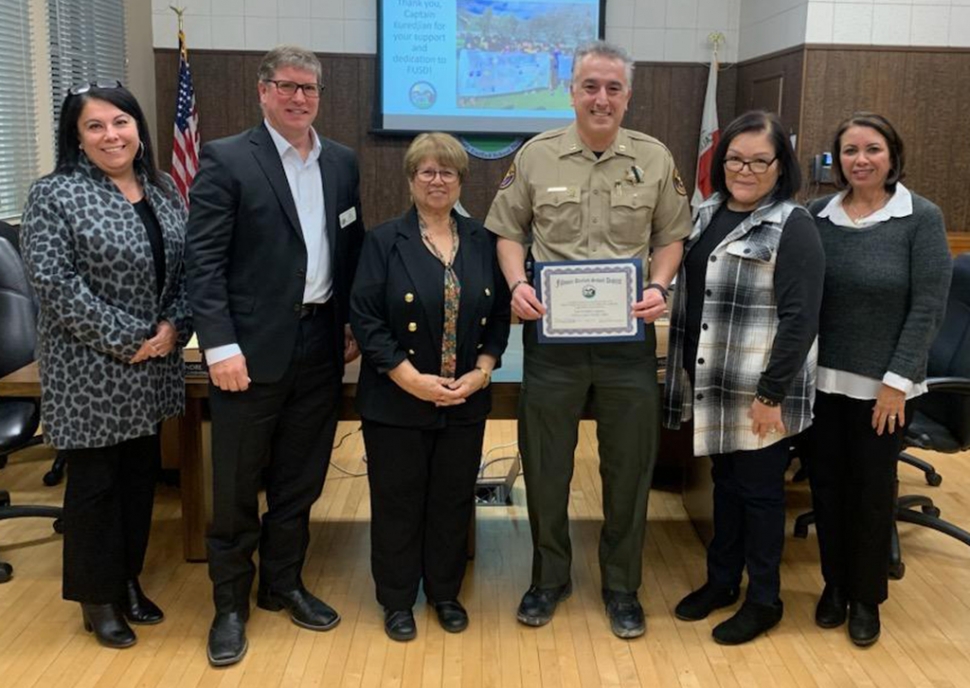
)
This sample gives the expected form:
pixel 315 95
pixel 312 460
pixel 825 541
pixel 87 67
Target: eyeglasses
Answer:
pixel 427 175
pixel 289 88
pixel 84 87
pixel 756 166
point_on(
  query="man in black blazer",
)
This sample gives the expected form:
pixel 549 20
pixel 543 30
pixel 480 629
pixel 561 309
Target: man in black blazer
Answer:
pixel 274 235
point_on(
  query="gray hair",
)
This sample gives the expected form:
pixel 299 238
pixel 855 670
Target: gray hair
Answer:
pixel 609 51
pixel 289 56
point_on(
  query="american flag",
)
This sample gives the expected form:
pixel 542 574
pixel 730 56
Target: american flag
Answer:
pixel 185 148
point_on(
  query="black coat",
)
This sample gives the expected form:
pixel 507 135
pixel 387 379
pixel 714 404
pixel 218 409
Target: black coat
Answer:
pixel 245 255
pixel 397 313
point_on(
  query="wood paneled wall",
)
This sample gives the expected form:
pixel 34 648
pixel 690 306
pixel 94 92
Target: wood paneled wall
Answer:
pixel 667 103
pixel 764 81
pixel 925 94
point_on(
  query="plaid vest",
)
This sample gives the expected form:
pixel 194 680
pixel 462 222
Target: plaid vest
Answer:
pixel 740 319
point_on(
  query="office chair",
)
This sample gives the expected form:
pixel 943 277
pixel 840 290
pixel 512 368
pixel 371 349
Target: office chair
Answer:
pixel 941 417
pixel 19 418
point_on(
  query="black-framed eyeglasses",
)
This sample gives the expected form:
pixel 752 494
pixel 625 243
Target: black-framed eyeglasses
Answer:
pixel 85 86
pixel 756 166
pixel 289 88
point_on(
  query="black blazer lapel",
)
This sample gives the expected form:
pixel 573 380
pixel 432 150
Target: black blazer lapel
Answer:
pixel 473 256
pixel 268 159
pixel 414 254
pixel 330 171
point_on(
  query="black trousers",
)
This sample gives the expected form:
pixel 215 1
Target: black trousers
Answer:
pixel 107 517
pixel 422 491
pixel 853 478
pixel 278 435
pixel 749 520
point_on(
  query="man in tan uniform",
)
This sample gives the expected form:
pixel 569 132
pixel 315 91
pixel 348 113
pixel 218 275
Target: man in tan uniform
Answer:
pixel 591 191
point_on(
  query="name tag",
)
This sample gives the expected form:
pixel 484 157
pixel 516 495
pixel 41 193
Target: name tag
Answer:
pixel 347 216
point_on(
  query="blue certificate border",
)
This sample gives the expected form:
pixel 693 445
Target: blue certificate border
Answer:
pixel 544 272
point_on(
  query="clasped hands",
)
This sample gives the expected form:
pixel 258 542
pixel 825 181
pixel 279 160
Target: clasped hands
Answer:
pixel 160 345
pixel 444 391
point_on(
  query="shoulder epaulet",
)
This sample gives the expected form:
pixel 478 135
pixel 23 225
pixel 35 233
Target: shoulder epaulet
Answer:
pixel 544 136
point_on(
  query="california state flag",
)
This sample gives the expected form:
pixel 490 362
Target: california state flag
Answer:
pixel 710 134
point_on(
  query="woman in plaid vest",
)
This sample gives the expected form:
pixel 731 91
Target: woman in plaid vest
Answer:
pixel 741 361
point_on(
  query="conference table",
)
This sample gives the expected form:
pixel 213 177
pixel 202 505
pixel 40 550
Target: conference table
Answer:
pixel 187 438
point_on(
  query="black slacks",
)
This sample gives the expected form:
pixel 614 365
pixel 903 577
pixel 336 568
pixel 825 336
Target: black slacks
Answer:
pixel 749 520
pixel 278 435
pixel 853 477
pixel 107 517
pixel 422 493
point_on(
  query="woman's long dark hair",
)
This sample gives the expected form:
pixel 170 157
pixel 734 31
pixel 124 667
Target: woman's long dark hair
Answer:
pixel 68 139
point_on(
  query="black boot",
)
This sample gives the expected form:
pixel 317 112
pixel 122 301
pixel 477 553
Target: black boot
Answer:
pixel 399 625
pixel 138 609
pixel 700 603
pixel 830 610
pixel 864 627
pixel 108 625
pixel 752 620
pixel 227 638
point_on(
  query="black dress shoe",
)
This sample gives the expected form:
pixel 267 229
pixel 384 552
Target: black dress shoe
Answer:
pixel 305 609
pixel 399 625
pixel 700 603
pixel 108 625
pixel 227 639
pixel 626 614
pixel 831 607
pixel 864 627
pixel 752 620
pixel 539 604
pixel 137 608
pixel 451 615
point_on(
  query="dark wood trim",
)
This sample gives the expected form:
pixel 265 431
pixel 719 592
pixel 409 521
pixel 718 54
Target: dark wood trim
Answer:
pixel 885 48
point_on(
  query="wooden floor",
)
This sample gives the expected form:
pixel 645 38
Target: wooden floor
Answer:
pixel 926 622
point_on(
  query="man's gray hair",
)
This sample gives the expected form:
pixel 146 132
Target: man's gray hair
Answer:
pixel 609 51
pixel 289 56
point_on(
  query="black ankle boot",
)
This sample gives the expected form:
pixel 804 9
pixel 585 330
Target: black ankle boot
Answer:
pixel 108 625
pixel 831 607
pixel 138 609
pixel 752 620
pixel 864 627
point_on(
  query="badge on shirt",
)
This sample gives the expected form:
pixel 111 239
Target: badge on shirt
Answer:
pixel 508 179
pixel 679 183
pixel 348 216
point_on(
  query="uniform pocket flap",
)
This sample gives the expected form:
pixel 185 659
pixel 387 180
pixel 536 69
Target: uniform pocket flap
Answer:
pixel 557 195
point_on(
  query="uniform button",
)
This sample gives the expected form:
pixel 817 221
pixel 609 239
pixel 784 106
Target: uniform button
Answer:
pixel 700 361
pixel 713 259
pixel 595 221
pixel 700 397
pixel 484 320
pixel 409 297
pixel 411 352
pixel 704 326
pixel 412 327
pixel 596 192
pixel 707 292
pixel 488 292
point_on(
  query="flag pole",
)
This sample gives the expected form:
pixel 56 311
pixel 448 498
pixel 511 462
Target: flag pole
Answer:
pixel 710 131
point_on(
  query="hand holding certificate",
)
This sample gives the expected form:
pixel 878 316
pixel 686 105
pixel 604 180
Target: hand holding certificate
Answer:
pixel 590 300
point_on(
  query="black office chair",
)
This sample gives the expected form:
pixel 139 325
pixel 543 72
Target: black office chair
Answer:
pixel 941 418
pixel 19 418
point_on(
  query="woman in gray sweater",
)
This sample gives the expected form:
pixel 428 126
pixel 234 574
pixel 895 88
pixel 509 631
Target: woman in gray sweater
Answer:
pixel 887 271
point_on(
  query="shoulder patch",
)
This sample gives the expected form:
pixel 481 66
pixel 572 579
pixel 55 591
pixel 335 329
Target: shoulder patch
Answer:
pixel 508 178
pixel 679 183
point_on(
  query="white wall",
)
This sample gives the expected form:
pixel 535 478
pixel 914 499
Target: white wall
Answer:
pixel 768 26
pixel 890 22
pixel 652 30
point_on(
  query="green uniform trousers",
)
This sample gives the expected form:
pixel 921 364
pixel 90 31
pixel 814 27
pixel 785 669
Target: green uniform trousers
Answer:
pixel 619 381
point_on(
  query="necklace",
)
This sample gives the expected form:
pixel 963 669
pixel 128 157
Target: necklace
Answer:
pixel 858 216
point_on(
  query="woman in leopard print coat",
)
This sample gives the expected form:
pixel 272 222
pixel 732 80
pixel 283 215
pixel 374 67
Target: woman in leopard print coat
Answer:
pixel 102 239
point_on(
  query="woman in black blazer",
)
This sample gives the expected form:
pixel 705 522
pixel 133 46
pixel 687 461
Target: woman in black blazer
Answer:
pixel 430 311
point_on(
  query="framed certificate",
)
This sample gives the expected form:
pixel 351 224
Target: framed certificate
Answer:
pixel 589 300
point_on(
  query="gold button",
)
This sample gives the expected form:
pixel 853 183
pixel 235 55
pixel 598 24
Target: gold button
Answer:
pixel 409 297
pixel 412 327
pixel 411 352
pixel 484 320
pixel 488 292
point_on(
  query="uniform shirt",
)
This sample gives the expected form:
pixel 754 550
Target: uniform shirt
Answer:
pixel 572 205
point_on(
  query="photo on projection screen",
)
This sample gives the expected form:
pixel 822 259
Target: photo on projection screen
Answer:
pixel 480 66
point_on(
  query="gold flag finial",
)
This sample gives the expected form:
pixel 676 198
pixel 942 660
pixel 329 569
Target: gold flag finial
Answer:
pixel 179 11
